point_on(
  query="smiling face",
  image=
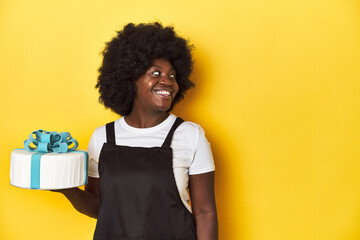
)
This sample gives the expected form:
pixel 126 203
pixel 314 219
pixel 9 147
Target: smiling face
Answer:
pixel 157 88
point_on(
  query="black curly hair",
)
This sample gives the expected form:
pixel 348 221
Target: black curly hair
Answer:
pixel 130 54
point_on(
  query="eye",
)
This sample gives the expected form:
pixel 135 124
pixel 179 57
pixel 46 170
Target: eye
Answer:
pixel 156 73
pixel 172 76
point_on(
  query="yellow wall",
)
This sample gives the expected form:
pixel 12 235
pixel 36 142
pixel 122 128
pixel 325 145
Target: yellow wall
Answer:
pixel 278 93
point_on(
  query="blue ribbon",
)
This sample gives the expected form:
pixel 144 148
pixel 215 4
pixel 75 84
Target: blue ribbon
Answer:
pixel 46 142
pixel 86 164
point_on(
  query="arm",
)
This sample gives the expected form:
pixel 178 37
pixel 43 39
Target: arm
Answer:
pixel 86 202
pixel 203 205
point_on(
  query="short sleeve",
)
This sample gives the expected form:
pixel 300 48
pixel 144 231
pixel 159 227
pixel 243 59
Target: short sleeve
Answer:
pixel 93 161
pixel 203 158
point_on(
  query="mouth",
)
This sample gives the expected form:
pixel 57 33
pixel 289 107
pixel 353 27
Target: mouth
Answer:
pixel 163 93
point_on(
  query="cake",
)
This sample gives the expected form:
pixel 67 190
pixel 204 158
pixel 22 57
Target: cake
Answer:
pixel 50 165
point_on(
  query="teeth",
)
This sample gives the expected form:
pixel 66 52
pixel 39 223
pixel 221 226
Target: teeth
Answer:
pixel 163 92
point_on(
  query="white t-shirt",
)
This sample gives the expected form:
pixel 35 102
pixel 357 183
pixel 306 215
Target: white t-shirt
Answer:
pixel 191 150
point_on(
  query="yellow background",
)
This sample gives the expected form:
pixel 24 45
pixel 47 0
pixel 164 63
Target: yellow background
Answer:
pixel 278 94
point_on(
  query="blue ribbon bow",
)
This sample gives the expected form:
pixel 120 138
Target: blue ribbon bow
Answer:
pixel 45 142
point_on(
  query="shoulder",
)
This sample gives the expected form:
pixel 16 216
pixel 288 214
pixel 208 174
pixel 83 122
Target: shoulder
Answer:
pixel 192 130
pixel 99 135
pixel 191 127
pixel 99 132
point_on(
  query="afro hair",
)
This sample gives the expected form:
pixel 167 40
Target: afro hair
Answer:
pixel 130 54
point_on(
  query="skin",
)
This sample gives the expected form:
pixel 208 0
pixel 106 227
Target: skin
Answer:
pixel 149 109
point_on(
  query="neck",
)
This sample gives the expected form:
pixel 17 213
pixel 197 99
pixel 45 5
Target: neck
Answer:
pixel 142 120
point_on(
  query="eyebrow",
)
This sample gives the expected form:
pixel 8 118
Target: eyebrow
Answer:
pixel 161 67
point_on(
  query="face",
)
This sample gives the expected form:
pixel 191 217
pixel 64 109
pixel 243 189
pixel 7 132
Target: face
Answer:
pixel 157 88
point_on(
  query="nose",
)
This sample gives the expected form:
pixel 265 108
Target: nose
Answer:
pixel 166 81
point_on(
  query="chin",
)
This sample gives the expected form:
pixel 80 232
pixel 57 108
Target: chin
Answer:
pixel 164 108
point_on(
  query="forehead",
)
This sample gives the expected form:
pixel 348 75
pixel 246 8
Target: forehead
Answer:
pixel 162 63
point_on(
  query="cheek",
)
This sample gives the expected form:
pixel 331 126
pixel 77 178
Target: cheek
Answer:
pixel 143 88
pixel 176 88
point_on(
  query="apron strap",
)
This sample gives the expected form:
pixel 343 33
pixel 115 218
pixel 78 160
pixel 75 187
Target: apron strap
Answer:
pixel 110 133
pixel 168 138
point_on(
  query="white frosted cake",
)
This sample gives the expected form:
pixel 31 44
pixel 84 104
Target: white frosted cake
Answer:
pixel 48 171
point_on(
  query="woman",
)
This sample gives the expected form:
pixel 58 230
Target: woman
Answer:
pixel 142 164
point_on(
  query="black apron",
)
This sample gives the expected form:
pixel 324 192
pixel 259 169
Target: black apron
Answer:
pixel 139 199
